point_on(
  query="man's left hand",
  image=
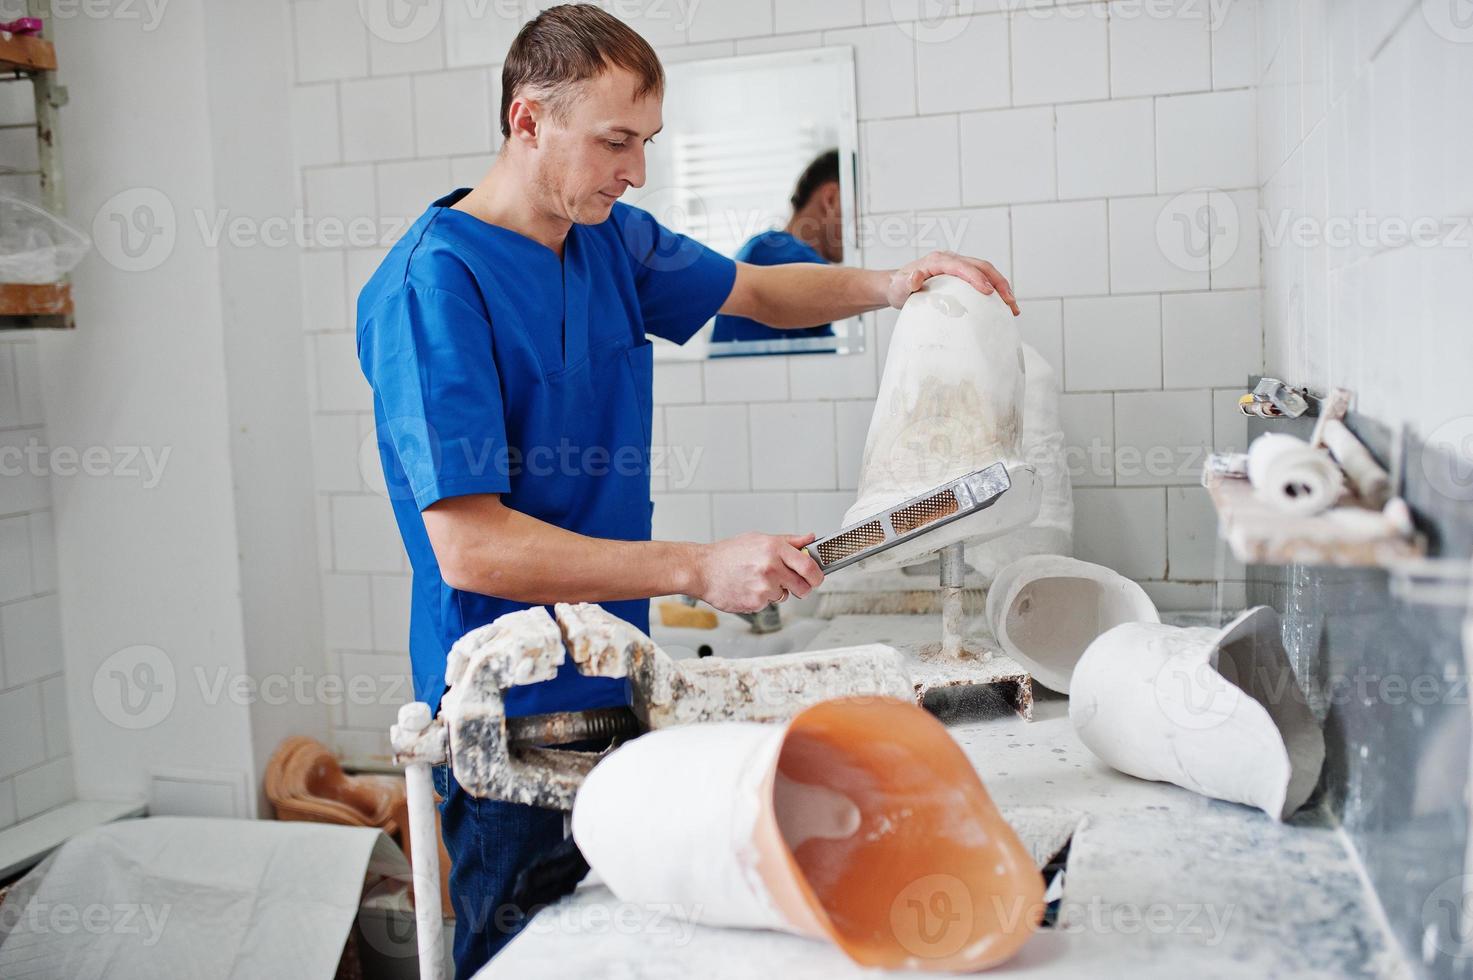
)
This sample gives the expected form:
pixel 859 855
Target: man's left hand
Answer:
pixel 982 276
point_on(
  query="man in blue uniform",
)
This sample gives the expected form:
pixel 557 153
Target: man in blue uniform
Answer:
pixel 505 338
pixel 815 233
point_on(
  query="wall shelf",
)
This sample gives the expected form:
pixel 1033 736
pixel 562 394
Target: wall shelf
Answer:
pixel 1347 535
pixel 23 53
pixel 23 58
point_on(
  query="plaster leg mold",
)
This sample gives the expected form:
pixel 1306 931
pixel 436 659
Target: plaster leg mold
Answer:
pixel 1045 610
pixel 889 847
pixel 1217 712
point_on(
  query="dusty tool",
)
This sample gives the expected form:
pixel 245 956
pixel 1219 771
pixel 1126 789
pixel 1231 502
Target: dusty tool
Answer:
pixel 516 759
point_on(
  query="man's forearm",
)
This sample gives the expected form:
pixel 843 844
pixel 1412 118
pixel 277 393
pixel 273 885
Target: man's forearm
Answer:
pixel 511 555
pixel 804 294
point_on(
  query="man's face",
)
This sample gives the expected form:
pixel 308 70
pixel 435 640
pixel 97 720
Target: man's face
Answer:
pixel 594 151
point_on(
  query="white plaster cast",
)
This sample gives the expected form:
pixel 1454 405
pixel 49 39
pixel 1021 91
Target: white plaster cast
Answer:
pixel 1291 475
pixel 951 401
pixel 1045 610
pixel 1214 711
pixel 840 825
pixel 1052 531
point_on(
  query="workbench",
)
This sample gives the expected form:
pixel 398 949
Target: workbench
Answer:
pixel 1160 882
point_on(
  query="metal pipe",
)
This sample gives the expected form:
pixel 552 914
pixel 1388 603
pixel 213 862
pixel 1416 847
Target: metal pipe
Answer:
pixel 424 849
pixel 953 576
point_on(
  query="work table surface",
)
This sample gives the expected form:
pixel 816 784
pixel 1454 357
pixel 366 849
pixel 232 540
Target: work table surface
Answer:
pixel 1161 882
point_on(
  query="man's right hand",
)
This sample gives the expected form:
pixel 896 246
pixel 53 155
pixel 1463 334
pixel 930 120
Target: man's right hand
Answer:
pixel 745 573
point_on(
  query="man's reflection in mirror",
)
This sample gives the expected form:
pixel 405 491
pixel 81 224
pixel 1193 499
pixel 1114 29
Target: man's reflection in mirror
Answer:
pixel 813 234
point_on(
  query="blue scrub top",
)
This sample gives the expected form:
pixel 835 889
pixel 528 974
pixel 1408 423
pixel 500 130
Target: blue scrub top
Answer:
pixel 769 248
pixel 499 368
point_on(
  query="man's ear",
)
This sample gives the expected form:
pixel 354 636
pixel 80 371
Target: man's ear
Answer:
pixel 523 118
pixel 830 198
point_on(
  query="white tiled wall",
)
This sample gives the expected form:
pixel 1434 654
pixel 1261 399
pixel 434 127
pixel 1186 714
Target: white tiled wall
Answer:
pixel 35 760
pixel 1363 116
pixel 1048 140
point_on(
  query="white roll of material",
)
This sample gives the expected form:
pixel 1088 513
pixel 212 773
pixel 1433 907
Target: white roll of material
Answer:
pixel 1293 476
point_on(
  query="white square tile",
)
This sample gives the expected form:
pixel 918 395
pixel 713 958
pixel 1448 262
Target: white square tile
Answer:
pixel 378 119
pixel 346 612
pixel 44 788
pixel 1211 338
pixel 716 20
pixel 22 734
pixel 331 40
pixel 455 112
pixel 1060 54
pixel 884 69
pixel 364 536
pixel 341 386
pixel 738 513
pixel 315 124
pixel 682 517
pixel 376 684
pixel 345 194
pixel 822 513
pixel 360 265
pixel 1229 425
pixel 661 24
pixel 1106 148
pixel 398 46
pixel 18 104
pixel 851 419
pixel 710 442
pixel 1157 47
pixel 911 163
pixel 805 15
pixel 983 233
pixel 30 409
pixel 9 396
pixel 1234 36
pixel 746 379
pixel 405 189
pixel 30 635
pixel 1089 438
pixel 15 560
pixel 833 376
pixel 25 488
pixel 1235 257
pixel 888 241
pixel 480 33
pixel 1060 249
pixel 1206 140
pixel 1123 529
pixel 1041 325
pixel 54 710
pixel 324 291
pixel 391 602
pixel 1112 343
pixel 1161 437
pixel 7 803
pixel 471 170
pixel 697 52
pixel 793 446
pixel 1193 549
pixel 965 67
pixel 43 552
pixel 1138 261
pixel 677 382
pixel 1007 156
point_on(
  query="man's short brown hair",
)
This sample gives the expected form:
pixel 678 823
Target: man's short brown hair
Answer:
pixel 571 43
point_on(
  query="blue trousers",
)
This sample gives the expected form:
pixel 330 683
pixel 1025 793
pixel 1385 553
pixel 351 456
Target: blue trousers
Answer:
pixel 490 842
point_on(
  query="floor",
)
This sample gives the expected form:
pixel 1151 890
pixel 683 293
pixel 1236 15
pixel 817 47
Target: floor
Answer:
pixel 1160 883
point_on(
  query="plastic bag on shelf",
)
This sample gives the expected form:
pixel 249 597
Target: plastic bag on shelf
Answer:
pixel 35 245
